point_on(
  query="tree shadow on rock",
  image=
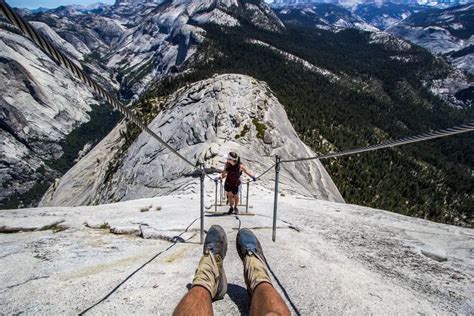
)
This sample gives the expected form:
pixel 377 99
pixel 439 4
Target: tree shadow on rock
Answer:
pixel 240 297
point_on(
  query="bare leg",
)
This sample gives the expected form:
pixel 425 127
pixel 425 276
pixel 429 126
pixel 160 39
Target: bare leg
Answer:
pixel 196 302
pixel 267 301
pixel 230 197
pixel 236 200
pixel 210 281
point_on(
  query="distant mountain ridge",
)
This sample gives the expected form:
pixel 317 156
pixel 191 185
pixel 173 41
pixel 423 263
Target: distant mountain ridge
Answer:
pixel 386 14
pixel 40 104
pixel 341 87
pixel 448 32
pixel 323 16
pixel 124 47
pixel 436 4
pixel 347 88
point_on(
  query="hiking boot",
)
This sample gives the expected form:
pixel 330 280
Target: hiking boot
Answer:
pixel 236 211
pixel 251 252
pixel 231 210
pixel 210 273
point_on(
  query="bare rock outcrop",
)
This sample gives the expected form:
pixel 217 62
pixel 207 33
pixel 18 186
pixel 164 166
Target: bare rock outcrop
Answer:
pixel 203 122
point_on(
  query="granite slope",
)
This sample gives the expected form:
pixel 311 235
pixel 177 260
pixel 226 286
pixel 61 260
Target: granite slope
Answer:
pixel 203 122
pixel 329 258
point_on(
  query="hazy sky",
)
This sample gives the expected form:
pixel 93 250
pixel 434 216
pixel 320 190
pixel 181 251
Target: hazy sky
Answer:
pixel 33 4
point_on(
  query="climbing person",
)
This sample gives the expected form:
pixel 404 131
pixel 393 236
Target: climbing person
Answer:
pixel 210 282
pixel 232 172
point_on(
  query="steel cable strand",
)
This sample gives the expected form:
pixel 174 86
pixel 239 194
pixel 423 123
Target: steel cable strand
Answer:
pixel 15 19
pixel 240 222
pixel 464 128
pixel 283 289
pixel 137 270
pixel 49 49
pixel 262 174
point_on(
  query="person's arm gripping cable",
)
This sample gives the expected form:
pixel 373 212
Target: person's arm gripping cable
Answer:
pixel 242 167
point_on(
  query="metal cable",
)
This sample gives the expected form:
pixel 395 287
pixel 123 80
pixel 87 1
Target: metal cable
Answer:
pixel 240 222
pixel 263 173
pixel 15 19
pixel 469 127
pixel 64 61
pixel 283 289
pixel 136 271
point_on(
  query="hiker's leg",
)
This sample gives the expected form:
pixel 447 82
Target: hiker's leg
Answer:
pixel 209 281
pixel 267 301
pixel 196 302
pixel 236 199
pixel 230 198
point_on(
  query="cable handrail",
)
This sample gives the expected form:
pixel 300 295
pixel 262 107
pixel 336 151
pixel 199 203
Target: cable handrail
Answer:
pixel 263 173
pixel 64 61
pixel 464 128
pixel 15 19
pixel 56 55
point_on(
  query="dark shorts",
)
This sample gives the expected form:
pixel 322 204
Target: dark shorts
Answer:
pixel 231 188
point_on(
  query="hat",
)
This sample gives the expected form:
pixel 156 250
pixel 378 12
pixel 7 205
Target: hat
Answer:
pixel 231 156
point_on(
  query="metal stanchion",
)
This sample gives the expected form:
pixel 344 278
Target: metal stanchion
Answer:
pixel 202 202
pixel 215 200
pixel 247 199
pixel 220 181
pixel 275 201
pixel 240 192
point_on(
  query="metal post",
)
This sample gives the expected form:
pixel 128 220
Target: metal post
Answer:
pixel 240 191
pixel 202 202
pixel 215 200
pixel 222 193
pixel 275 202
pixel 247 199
